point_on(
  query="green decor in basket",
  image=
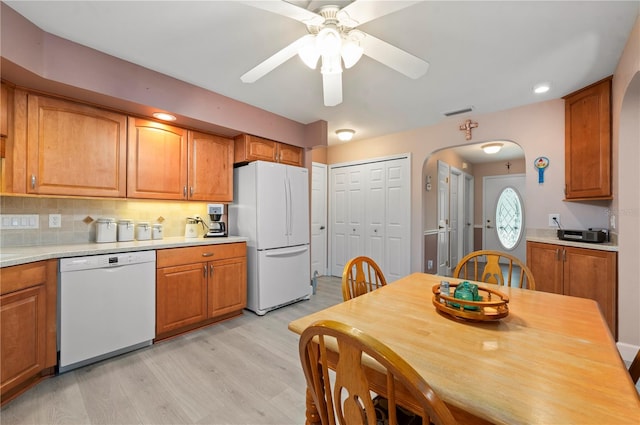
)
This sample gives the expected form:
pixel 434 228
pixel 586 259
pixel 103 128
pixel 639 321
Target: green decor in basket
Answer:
pixel 466 291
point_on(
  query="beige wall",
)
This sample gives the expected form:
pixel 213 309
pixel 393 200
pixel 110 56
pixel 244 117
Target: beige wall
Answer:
pixel 626 205
pixel 538 128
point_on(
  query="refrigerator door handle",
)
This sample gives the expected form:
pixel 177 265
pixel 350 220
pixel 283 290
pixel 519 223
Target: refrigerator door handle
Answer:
pixel 286 210
pixel 290 208
pixel 287 253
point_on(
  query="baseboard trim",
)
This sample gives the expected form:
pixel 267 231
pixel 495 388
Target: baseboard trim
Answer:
pixel 627 351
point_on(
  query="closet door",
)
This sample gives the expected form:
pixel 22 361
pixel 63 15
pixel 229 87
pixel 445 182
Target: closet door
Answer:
pixel 347 207
pixel 397 207
pixel 375 211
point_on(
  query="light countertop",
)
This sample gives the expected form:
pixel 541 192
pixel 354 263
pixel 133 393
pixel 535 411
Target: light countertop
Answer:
pixel 12 256
pixel 605 246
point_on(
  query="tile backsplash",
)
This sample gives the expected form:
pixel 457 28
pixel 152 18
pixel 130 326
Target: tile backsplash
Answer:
pixel 79 216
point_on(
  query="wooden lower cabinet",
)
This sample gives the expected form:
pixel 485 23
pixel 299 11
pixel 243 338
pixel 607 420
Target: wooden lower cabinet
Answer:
pixel 578 272
pixel 197 286
pixel 28 326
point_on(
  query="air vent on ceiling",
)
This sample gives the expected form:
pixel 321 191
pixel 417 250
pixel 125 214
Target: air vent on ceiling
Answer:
pixel 459 111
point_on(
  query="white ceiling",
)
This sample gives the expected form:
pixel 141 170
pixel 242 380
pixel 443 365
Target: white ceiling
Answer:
pixel 487 55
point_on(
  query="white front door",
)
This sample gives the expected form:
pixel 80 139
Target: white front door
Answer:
pixel 503 216
pixel 319 219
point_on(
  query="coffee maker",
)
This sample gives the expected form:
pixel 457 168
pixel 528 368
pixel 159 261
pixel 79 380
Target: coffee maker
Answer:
pixel 217 227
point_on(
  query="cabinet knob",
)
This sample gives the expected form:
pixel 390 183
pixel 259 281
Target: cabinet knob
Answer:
pixel 204 271
pixel 33 181
pixel 207 254
pixel 211 270
pixel 191 191
pixel 184 192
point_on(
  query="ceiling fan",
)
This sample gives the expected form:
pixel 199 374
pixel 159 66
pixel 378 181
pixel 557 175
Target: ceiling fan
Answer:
pixel 335 40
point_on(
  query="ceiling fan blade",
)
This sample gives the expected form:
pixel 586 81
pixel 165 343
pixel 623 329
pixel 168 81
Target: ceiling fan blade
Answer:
pixel 274 61
pixel 332 88
pixel 393 57
pixel 362 11
pixel 288 10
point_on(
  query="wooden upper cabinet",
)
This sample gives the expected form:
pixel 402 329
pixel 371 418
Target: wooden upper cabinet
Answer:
pixel 157 161
pixel 4 110
pixel 74 149
pixel 252 148
pixel 291 155
pixel 210 168
pixel 588 142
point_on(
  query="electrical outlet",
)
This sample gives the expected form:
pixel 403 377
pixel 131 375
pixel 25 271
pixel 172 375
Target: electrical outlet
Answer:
pixel 55 220
pixel 429 264
pixel 554 220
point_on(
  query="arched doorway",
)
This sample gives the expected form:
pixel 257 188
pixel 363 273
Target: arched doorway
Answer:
pixel 447 238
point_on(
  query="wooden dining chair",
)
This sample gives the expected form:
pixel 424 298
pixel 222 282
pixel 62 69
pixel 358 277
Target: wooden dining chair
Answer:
pixel 490 267
pixel 361 275
pixel 348 392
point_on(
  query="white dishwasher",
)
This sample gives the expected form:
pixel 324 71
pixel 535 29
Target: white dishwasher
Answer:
pixel 107 306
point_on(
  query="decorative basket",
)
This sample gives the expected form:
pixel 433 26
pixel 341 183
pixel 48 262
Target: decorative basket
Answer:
pixel 493 304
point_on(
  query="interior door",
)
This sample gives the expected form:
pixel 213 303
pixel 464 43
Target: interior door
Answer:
pixel 468 220
pixel 347 206
pixel 444 268
pixel 504 221
pixel 456 205
pixel 318 219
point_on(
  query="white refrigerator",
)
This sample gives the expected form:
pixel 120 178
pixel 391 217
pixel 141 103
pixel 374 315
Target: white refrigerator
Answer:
pixel 271 209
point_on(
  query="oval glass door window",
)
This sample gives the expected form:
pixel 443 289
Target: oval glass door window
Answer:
pixel 509 218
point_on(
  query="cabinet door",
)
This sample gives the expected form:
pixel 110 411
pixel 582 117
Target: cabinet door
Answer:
pixel 75 149
pixel 290 155
pixel 227 286
pixel 23 325
pixel 251 148
pixel 545 262
pixel 590 273
pixel 588 142
pixel 157 161
pixel 181 296
pixel 210 168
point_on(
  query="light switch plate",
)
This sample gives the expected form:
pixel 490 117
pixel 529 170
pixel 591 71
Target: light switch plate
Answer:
pixel 19 221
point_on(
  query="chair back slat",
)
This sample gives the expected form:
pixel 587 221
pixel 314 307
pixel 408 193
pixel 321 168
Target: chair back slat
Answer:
pixel 498 269
pixel 361 275
pixel 360 359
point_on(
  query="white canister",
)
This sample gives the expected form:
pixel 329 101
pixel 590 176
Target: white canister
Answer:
pixel 191 229
pixel 125 230
pixel 157 231
pixel 106 230
pixel 143 231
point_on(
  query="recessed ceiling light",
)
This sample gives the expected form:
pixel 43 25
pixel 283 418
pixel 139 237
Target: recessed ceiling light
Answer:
pixel 541 88
pixel 164 116
pixel 345 134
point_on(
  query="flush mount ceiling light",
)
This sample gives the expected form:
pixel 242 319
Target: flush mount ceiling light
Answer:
pixel 164 116
pixel 541 88
pixel 334 40
pixel 345 134
pixel 491 148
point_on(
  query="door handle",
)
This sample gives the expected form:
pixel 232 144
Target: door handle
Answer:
pixel 321 227
pixel 489 226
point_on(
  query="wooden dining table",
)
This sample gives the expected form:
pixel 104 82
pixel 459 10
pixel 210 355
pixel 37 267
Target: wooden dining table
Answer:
pixel 551 360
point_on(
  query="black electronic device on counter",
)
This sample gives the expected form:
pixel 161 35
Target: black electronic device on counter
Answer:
pixel 593 236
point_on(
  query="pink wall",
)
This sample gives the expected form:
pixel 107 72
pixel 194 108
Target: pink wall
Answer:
pixel 38 60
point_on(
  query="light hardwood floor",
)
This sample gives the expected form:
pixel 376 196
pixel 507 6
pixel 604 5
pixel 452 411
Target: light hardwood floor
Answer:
pixel 243 371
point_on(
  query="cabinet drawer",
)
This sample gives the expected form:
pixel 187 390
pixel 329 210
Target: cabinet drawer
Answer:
pixel 23 276
pixel 199 254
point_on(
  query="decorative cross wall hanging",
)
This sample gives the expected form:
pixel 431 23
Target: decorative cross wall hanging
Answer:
pixel 467 126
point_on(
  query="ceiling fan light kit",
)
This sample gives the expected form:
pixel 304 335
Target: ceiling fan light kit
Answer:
pixel 333 37
pixel 345 134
